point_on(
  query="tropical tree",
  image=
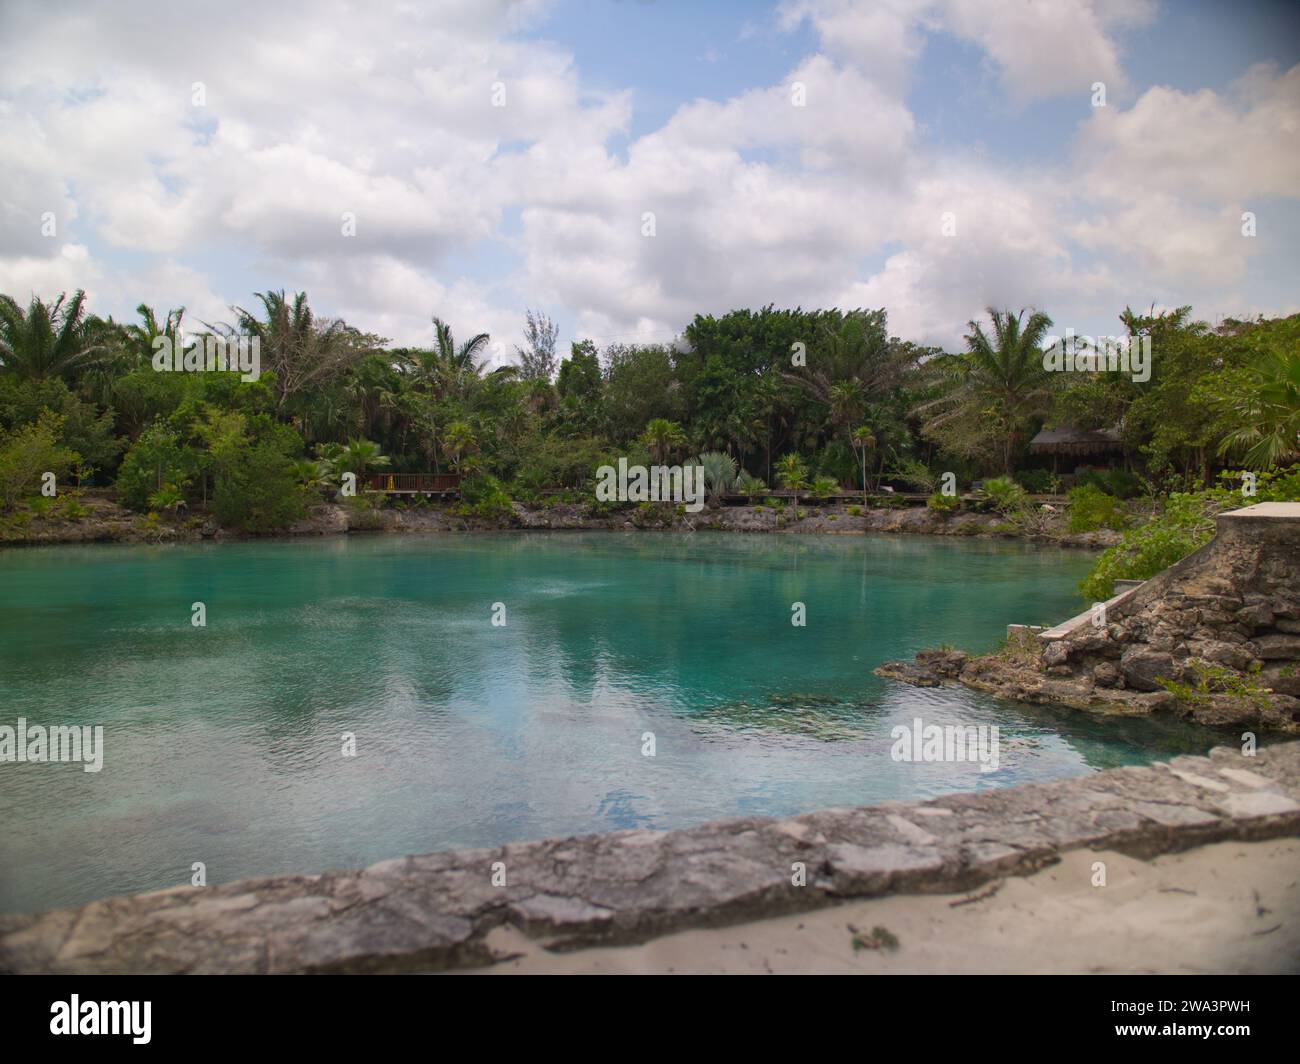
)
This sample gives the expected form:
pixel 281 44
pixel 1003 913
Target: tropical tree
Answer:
pixel 852 357
pixel 662 437
pixel 50 339
pixel 537 361
pixel 303 351
pixel 847 399
pixel 863 440
pixel 719 472
pixel 360 456
pixel 1269 411
pixel 458 440
pixel 140 338
pixel 791 472
pixel 445 367
pixel 998 385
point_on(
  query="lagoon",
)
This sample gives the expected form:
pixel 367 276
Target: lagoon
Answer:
pixel 225 744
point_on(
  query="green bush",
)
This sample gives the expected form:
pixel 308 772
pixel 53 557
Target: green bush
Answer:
pixel 1004 494
pixel 157 458
pixel 1091 509
pixel 1038 481
pixel 824 487
pixel 486 497
pixel 1186 523
pixel 364 512
pixel 943 504
pixel 564 463
pixel 27 453
pixel 256 489
pixel 750 486
pixel 1117 482
pixel 916 475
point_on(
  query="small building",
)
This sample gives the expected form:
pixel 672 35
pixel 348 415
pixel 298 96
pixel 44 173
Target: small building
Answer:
pixel 1075 443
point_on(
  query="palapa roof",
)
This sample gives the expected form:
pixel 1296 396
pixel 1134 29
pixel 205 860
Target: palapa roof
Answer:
pixel 1071 440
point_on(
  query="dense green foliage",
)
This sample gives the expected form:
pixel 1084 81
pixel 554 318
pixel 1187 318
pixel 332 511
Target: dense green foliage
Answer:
pixel 1186 522
pixel 812 401
pixel 1092 509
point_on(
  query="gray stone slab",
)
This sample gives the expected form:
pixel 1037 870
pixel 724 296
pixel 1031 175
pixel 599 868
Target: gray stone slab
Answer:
pixel 435 911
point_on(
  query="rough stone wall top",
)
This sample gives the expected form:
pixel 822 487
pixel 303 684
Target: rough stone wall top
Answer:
pixel 1226 618
pixel 435 911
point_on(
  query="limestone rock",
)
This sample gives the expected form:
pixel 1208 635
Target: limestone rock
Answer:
pixel 1141 668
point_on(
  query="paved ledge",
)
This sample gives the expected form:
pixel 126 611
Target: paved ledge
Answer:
pixel 435 911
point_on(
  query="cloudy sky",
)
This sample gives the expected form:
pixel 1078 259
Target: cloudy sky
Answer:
pixel 497 156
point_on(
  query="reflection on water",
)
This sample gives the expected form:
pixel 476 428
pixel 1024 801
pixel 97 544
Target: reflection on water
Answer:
pixel 223 744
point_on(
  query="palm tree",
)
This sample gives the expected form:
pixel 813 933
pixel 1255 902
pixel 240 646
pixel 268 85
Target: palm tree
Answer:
pixel 791 472
pixel 1270 413
pixel 50 339
pixel 855 358
pixel 140 338
pixel 302 350
pixel 719 472
pixel 446 366
pixel 458 440
pixel 662 437
pixel 864 440
pixel 1002 381
pixel 847 398
pixel 360 456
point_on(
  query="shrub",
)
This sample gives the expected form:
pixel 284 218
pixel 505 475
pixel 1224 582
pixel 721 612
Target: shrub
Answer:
pixel 719 472
pixel 792 472
pixel 943 504
pixel 1186 523
pixel 157 458
pixel 1117 482
pixel 1091 509
pixel 916 475
pixel 824 487
pixel 1004 494
pixel 168 497
pixel 486 497
pixel 364 512
pixel 553 462
pixel 749 485
pixel 27 453
pixel 256 490
pixel 1038 481
pixel 72 509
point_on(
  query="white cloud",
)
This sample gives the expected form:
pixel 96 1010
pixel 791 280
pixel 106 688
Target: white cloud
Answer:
pixel 388 113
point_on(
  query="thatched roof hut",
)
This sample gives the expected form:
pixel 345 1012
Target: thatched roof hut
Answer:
pixel 1073 441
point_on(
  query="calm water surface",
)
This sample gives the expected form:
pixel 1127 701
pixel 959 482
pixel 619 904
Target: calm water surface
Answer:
pixel 223 744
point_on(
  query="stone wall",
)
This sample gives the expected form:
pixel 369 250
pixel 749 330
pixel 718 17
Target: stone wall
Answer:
pixel 436 911
pixel 1224 621
pixel 1223 624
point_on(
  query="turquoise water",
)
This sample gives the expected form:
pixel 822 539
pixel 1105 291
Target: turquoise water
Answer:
pixel 224 744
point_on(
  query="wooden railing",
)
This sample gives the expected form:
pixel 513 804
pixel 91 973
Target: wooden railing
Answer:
pixel 411 483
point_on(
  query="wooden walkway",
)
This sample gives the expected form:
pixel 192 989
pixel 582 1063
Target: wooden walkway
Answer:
pixel 426 484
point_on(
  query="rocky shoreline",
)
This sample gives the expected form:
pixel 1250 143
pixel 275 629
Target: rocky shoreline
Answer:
pixel 107 522
pixel 1214 639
